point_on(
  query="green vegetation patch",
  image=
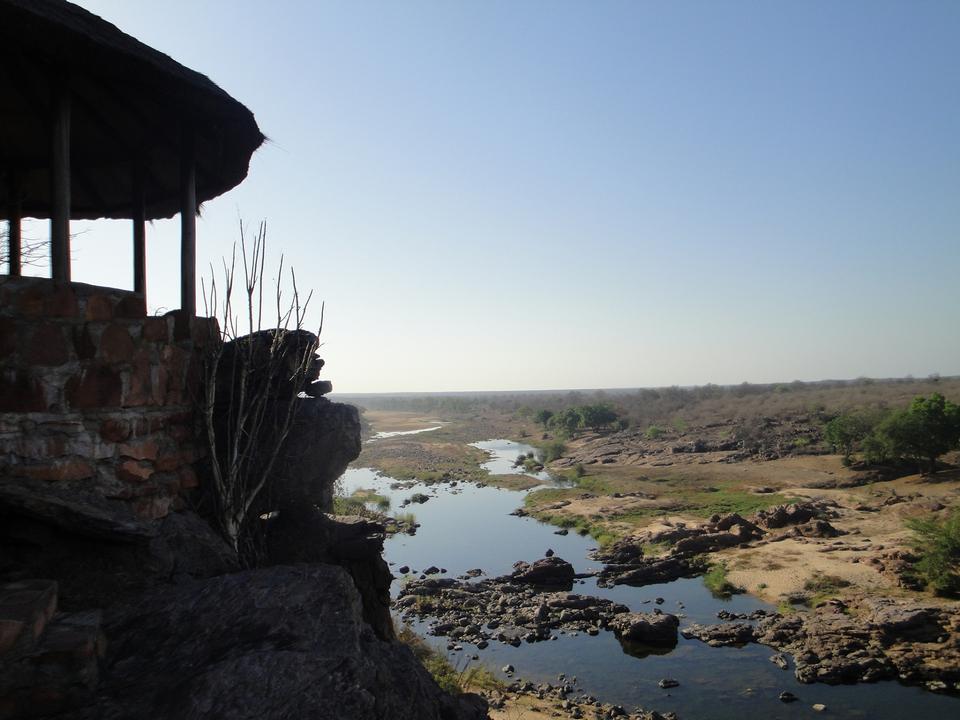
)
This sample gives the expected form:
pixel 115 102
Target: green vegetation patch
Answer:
pixel 823 588
pixel 512 482
pixel 451 679
pixel 715 580
pixel 368 496
pixel 723 501
pixel 348 506
pixel 937 542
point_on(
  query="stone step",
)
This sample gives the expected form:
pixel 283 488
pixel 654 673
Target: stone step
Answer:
pixel 26 607
pixel 61 673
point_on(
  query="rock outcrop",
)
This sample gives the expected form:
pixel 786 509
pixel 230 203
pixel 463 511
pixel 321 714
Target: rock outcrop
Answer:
pixel 883 639
pixel 278 642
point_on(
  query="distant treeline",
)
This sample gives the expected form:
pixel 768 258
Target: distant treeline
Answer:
pixel 701 404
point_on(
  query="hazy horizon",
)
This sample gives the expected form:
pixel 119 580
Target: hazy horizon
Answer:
pixel 521 196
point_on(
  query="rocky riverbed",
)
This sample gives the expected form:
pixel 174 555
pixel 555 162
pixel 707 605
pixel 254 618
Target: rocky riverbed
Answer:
pixel 875 639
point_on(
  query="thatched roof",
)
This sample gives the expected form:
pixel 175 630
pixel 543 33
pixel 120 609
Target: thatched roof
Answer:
pixel 128 100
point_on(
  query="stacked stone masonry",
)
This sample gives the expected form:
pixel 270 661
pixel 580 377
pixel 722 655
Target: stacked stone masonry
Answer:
pixel 98 396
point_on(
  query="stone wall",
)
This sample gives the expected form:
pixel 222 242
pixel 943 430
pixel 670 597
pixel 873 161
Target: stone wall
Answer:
pixel 95 395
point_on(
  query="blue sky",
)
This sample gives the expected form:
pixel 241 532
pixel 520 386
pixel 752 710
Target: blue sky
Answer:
pixel 524 195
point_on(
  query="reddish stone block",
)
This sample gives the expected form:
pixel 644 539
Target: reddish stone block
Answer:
pixel 205 331
pixel 160 384
pixel 152 508
pixel 134 471
pixel 34 445
pixel 155 329
pixel 131 306
pixel 8 337
pixel 97 387
pixel 142 450
pixel 21 393
pixel 182 326
pixel 83 343
pixel 181 433
pixel 61 302
pixel 47 346
pixel 140 387
pixel 188 477
pixel 30 301
pixel 56 471
pixel 179 457
pixel 116 345
pixel 115 430
pixel 99 307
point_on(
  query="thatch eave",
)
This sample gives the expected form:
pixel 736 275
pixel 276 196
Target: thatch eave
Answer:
pixel 130 105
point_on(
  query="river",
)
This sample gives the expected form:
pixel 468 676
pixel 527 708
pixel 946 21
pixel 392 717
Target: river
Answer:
pixel 465 527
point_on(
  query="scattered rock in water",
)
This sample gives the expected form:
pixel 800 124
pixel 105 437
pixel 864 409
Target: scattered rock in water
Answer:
pixel 624 564
pixel 561 531
pixel 780 661
pixel 668 683
pixel 725 634
pixel 646 628
pixel 548 553
pixel 819 707
pixel 545 572
pixel 403 569
pixel 884 639
pixel 502 609
pixel 787 697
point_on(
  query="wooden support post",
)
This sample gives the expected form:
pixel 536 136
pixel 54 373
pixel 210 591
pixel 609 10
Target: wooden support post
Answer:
pixel 14 215
pixel 188 223
pixel 60 187
pixel 139 216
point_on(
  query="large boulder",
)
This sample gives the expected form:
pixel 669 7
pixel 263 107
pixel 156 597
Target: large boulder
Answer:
pixel 646 628
pixel 280 642
pixel 551 572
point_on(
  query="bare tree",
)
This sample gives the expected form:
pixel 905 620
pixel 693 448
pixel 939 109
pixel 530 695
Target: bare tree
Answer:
pixel 249 372
pixel 32 252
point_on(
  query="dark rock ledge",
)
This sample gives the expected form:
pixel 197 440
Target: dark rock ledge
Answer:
pixel 878 639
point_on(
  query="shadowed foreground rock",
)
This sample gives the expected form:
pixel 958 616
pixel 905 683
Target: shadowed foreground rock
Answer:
pixel 280 642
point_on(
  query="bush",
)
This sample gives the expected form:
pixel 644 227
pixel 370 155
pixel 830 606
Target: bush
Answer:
pixel 845 431
pixel 937 542
pixel 923 432
pixel 717 583
pixel 553 451
pixel 654 432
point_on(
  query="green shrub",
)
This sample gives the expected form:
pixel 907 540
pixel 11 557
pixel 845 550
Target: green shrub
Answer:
pixel 937 542
pixel 717 583
pixel 553 451
pixel 846 430
pixel 654 432
pixel 348 506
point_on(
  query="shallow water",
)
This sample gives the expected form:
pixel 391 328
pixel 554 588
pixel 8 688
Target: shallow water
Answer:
pixel 396 433
pixel 503 455
pixel 466 527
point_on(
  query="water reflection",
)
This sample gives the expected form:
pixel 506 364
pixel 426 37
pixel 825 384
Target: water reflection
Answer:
pixel 465 527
